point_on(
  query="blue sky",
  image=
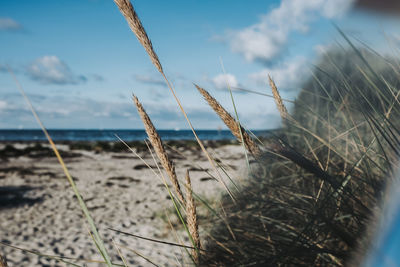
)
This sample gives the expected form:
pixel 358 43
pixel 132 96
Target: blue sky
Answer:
pixel 79 62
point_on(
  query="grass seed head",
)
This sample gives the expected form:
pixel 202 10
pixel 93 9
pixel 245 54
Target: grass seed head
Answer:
pixel 156 142
pixel 127 10
pixel 278 100
pixel 230 122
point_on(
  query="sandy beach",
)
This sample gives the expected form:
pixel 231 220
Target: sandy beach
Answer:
pixel 39 211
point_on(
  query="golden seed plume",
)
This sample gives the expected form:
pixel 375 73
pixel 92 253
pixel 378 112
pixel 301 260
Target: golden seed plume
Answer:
pixel 156 142
pixel 278 100
pixel 230 122
pixel 191 217
pixel 136 26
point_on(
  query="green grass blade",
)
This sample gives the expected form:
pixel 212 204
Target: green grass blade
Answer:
pixel 82 204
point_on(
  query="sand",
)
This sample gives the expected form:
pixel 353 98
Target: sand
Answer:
pixel 38 210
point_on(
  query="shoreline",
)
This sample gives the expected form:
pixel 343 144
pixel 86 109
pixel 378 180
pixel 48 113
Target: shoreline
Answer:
pixel 40 211
pixel 73 135
pixel 68 142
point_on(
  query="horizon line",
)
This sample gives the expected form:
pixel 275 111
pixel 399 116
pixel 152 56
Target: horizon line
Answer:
pixel 124 129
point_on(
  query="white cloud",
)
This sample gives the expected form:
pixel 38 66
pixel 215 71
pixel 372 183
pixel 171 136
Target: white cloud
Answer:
pixel 220 81
pixel 51 70
pixel 265 40
pixel 286 75
pixel 8 24
pixel 336 8
pixel 257 44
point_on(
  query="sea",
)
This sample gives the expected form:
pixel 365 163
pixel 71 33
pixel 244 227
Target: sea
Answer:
pixel 110 134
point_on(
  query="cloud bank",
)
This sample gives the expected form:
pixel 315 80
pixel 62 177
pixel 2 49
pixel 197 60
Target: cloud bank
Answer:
pixel 267 39
pixel 51 70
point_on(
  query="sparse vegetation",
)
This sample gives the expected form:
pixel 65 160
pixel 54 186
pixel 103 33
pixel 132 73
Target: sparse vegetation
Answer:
pixel 312 188
pixel 312 197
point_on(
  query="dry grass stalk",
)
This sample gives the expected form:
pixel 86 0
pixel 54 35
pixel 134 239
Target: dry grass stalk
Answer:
pixel 156 142
pixel 136 26
pixel 129 13
pixel 278 100
pixel 192 218
pixel 3 261
pixel 230 122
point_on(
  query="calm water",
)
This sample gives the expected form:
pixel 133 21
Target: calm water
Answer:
pixel 109 135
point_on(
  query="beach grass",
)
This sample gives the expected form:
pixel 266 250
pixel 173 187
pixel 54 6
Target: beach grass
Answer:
pixel 322 176
pixel 313 188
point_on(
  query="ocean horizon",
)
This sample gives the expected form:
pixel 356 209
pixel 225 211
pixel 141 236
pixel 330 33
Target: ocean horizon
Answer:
pixel 110 134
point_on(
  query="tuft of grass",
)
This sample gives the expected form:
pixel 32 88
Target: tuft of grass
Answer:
pixel 322 176
pixel 319 178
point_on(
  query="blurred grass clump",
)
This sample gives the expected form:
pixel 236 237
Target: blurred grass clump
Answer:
pixel 314 191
